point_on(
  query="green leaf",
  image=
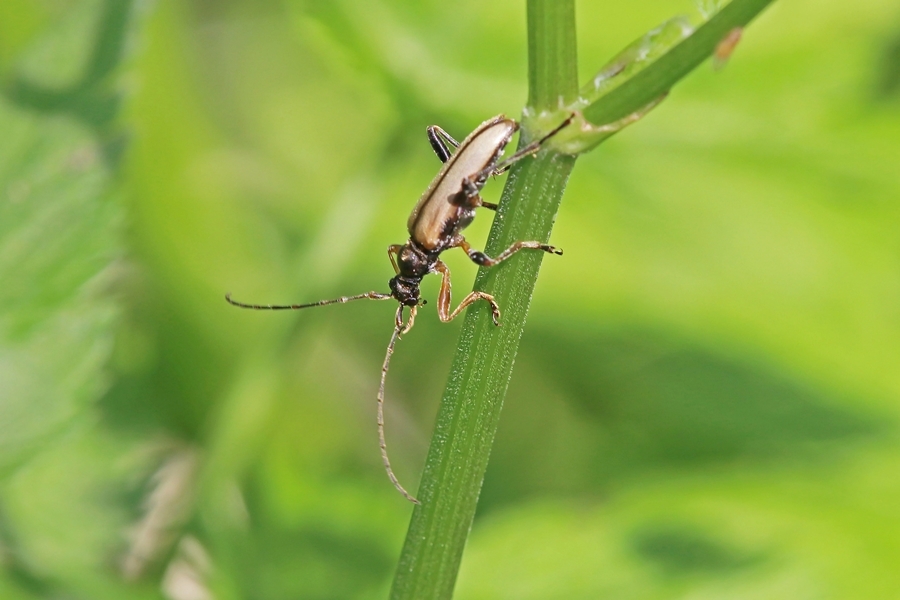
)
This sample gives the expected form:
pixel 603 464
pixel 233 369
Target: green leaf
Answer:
pixel 59 55
pixel 637 79
pixel 59 233
pixel 667 63
pixel 59 237
pixel 777 535
pixel 64 477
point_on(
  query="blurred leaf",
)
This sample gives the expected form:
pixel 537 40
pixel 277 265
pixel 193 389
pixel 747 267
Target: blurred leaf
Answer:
pixel 889 83
pixel 58 237
pixel 780 534
pixel 770 236
pixel 58 57
pixel 392 44
pixel 66 68
pixel 74 546
pixel 616 406
pixel 20 20
pixel 63 497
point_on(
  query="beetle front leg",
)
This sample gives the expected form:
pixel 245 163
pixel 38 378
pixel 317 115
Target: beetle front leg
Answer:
pixel 480 258
pixel 443 304
pixel 393 252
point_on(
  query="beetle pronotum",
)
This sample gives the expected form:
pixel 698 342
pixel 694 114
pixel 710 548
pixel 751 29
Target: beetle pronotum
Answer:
pixel 444 210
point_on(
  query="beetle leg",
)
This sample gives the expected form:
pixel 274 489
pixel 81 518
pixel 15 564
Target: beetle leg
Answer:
pixel 470 196
pixel 393 251
pixel 443 307
pixel 480 258
pixel 476 201
pixel 441 141
pixel 470 187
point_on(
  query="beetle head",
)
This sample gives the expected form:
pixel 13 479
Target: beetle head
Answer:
pixel 405 290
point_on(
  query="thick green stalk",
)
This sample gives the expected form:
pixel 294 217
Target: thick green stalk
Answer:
pixel 470 410
pixel 552 54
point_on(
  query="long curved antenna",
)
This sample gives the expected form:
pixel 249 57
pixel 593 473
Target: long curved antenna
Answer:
pixel 399 328
pixel 341 300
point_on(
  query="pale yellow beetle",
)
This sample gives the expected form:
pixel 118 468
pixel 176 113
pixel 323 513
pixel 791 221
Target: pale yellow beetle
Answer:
pixel 444 210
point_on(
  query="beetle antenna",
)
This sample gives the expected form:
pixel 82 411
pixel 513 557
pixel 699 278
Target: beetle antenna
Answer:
pixel 399 328
pixel 341 300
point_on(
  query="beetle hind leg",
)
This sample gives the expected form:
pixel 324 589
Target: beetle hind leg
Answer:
pixel 441 142
pixel 480 258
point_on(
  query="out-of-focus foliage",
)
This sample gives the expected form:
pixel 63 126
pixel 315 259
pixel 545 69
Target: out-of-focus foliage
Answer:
pixel 706 400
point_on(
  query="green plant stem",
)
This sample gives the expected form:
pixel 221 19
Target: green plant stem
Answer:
pixel 657 79
pixel 470 410
pixel 552 54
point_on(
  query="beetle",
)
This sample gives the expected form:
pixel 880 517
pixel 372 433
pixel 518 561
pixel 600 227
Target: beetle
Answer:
pixel 445 208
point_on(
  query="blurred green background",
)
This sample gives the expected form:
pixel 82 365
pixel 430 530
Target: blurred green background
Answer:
pixel 705 403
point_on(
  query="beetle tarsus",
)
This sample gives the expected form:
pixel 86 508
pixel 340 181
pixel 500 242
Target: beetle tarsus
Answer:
pixel 495 313
pixel 482 259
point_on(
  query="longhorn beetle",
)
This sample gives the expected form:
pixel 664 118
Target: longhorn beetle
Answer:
pixel 444 210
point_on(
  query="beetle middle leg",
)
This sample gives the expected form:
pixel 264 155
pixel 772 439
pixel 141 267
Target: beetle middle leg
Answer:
pixel 443 305
pixel 480 258
pixel 477 202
